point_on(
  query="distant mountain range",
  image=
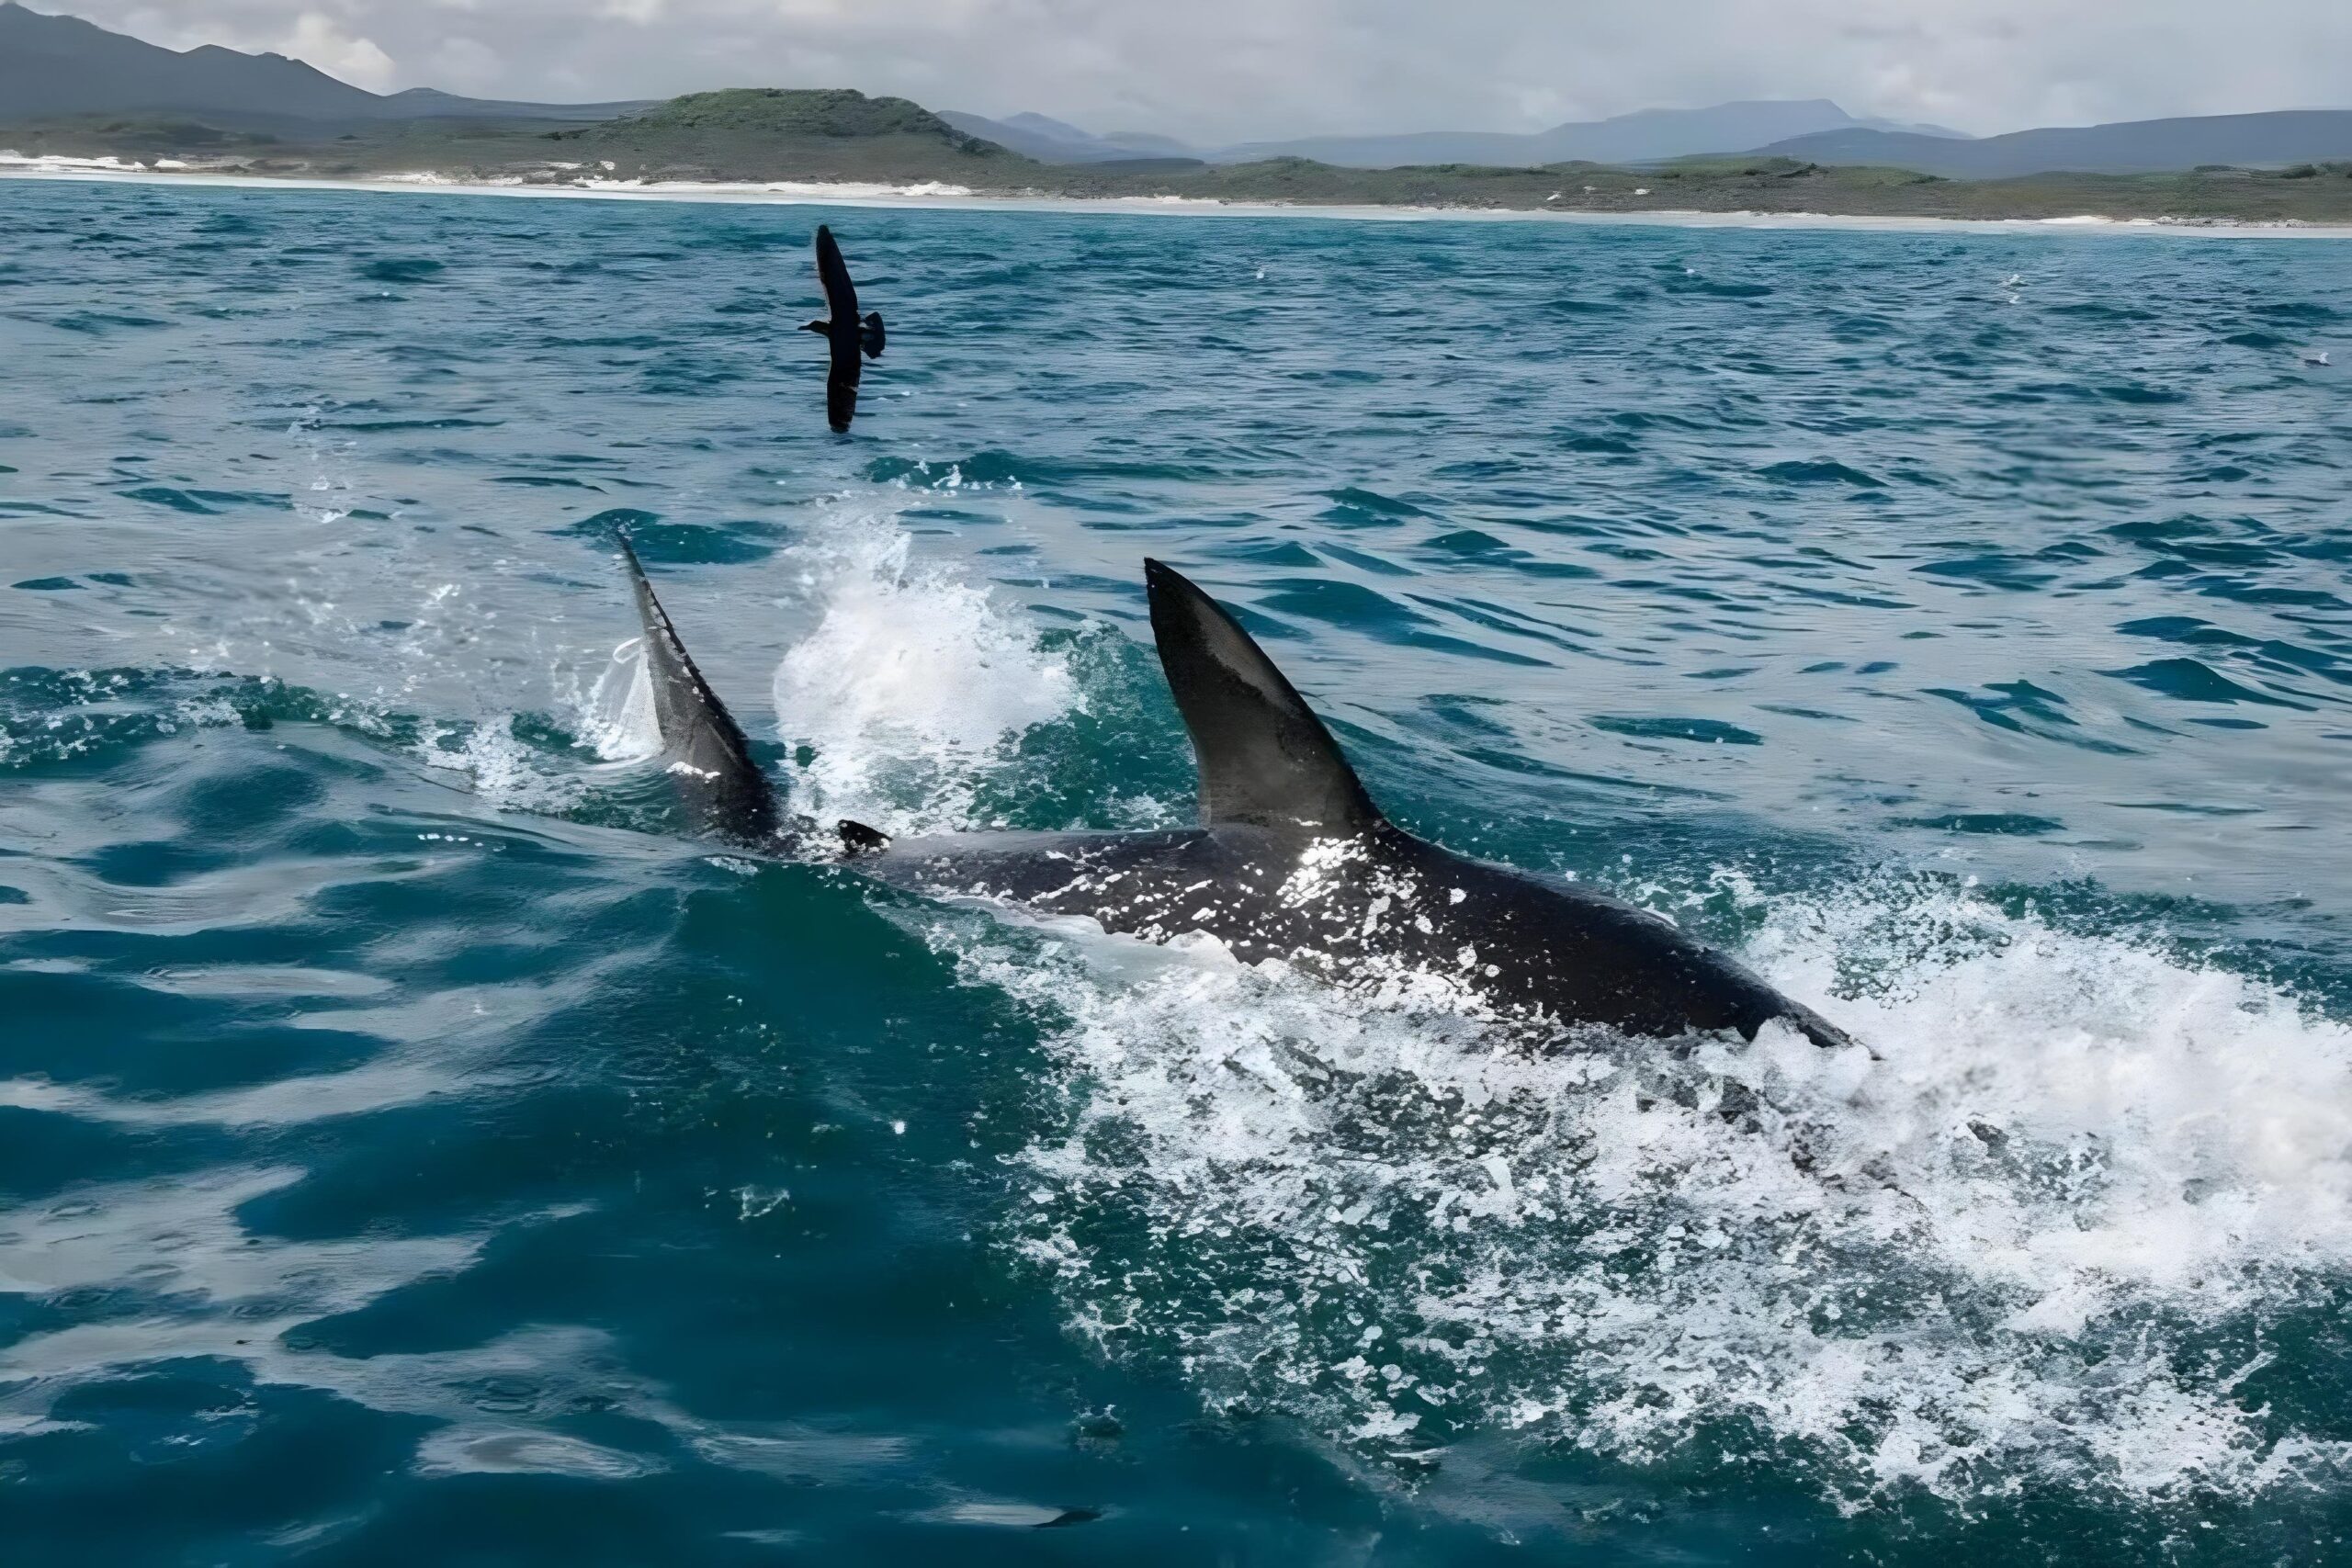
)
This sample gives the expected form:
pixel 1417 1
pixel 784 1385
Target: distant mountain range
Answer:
pixel 1648 136
pixel 1052 141
pixel 64 65
pixel 55 67
pixel 2132 146
pixel 1812 131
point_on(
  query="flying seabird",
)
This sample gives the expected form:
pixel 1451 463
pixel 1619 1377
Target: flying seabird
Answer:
pixel 843 330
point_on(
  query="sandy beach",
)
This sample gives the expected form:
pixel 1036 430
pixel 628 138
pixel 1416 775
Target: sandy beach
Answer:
pixel 14 165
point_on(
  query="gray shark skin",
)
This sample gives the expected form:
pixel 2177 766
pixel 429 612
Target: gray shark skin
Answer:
pixel 1382 911
pixel 722 788
pixel 1292 861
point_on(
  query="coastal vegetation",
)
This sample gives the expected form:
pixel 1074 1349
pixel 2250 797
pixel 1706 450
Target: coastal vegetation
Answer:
pixel 782 135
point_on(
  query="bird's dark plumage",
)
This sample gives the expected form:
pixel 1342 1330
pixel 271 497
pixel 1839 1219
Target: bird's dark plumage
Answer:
pixel 840 294
pixel 843 331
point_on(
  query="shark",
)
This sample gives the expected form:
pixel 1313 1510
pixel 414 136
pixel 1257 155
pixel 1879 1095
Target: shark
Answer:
pixel 1290 858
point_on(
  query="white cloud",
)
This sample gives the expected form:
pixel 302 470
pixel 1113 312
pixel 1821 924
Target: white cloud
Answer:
pixel 319 40
pixel 1231 70
pixel 462 64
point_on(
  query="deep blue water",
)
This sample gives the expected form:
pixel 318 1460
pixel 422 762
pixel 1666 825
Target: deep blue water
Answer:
pixel 412 1149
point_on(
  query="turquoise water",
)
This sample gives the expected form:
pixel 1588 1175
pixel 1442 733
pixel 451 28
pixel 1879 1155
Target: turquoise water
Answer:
pixel 413 1150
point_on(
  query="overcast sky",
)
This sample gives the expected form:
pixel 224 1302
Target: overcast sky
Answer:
pixel 1230 70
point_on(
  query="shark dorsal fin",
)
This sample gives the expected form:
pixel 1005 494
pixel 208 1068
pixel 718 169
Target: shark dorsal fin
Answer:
pixel 711 760
pixel 1265 759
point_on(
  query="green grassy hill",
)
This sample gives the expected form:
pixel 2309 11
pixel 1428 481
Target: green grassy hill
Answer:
pixel 795 112
pixel 772 133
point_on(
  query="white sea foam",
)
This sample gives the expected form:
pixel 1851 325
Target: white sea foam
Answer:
pixel 929 194
pixel 560 177
pixel 788 190
pixel 504 769
pixel 2038 1242
pixel 911 681
pixel 60 164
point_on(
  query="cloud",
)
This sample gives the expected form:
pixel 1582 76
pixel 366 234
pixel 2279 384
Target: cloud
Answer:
pixel 1232 70
pixel 324 44
pixel 462 64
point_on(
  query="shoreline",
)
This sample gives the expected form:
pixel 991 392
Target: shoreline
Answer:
pixel 937 196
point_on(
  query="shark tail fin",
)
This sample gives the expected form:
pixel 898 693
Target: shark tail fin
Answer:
pixel 872 336
pixel 1265 759
pixel 709 758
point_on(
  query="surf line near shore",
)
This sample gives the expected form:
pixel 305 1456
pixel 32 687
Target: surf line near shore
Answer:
pixel 939 196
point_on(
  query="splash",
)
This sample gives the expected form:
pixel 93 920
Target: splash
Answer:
pixel 505 770
pixel 2040 1242
pixel 613 712
pixel 326 496
pixel 912 682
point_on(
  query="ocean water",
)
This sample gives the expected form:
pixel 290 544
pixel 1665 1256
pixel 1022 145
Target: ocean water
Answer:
pixel 414 1149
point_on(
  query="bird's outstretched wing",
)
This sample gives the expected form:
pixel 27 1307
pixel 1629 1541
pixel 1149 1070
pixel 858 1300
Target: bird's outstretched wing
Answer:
pixel 840 294
pixel 840 392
